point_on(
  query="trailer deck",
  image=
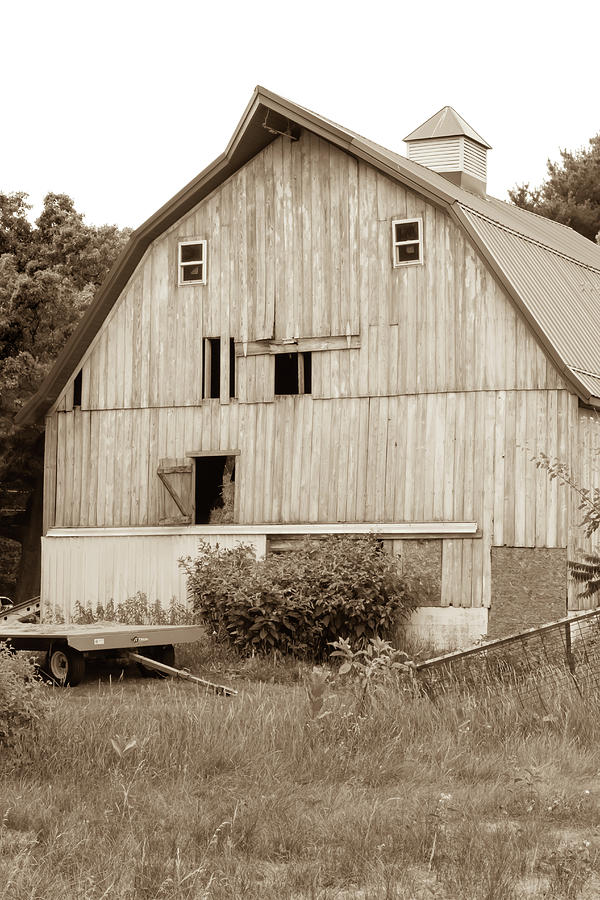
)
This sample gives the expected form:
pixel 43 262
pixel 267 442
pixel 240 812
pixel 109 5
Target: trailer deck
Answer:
pixel 67 647
pixel 100 636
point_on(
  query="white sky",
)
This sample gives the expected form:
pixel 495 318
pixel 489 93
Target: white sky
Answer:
pixel 120 104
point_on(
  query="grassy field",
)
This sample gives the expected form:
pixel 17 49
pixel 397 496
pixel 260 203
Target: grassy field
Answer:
pixel 255 797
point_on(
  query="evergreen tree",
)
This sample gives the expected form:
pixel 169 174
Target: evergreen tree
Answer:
pixel 571 193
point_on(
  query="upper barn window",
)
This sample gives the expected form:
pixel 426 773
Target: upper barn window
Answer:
pixel 192 262
pixel 407 238
pixel 293 373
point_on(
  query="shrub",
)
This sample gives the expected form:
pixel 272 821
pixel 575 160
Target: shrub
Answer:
pixel 21 701
pixel 136 610
pixel 299 601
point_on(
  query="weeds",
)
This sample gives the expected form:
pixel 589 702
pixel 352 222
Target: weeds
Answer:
pixel 135 610
pixel 569 869
pixel 21 701
pixel 370 669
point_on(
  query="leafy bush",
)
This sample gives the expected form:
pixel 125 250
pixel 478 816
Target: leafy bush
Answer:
pixel 299 601
pixel 21 701
pixel 136 610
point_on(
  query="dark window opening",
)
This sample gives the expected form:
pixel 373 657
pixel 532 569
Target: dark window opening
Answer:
pixel 286 373
pixel 232 367
pixel 77 388
pixel 211 370
pixel 214 490
pixel 293 373
pixel 306 370
pixel 406 231
pixel 407 253
pixel 191 252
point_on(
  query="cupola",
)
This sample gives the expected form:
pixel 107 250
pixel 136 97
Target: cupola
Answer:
pixel 448 145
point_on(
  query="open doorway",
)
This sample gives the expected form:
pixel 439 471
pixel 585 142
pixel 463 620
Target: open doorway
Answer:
pixel 214 490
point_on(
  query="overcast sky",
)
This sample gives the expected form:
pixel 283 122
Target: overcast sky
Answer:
pixel 119 104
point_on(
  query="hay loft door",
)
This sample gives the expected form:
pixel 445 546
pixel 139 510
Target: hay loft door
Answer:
pixel 177 498
pixel 214 487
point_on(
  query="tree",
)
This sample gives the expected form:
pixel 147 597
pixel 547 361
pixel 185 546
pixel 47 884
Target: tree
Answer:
pixel 585 571
pixel 571 194
pixel 48 276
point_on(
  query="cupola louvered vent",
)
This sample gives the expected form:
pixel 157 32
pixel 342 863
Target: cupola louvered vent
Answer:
pixel 475 159
pixel 442 155
pixel 447 144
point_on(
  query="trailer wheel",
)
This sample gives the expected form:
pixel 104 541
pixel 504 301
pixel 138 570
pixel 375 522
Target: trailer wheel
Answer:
pixel 165 655
pixel 65 665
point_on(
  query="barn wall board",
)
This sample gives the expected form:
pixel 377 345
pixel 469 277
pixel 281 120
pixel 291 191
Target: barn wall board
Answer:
pixel 299 245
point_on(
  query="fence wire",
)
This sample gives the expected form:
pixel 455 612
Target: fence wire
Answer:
pixel 535 665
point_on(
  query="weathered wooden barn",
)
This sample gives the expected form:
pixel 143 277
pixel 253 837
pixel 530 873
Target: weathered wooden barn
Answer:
pixel 318 335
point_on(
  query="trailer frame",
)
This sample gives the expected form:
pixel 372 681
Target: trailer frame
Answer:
pixel 68 646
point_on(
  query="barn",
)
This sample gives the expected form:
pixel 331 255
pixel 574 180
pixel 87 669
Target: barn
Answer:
pixel 318 335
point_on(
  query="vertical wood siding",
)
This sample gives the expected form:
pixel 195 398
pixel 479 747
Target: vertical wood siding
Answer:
pixel 434 417
pixel 425 457
pixel 299 245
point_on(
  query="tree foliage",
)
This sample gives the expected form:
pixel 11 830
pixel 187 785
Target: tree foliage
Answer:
pixel 571 193
pixel 49 272
pixel 585 571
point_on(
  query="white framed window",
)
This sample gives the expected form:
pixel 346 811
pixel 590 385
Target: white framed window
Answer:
pixel 192 262
pixel 407 242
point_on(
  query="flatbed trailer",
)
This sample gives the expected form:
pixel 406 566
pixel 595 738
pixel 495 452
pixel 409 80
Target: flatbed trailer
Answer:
pixel 68 646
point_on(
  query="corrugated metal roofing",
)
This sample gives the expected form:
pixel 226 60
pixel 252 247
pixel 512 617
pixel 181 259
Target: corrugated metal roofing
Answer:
pixel 562 295
pixel 446 123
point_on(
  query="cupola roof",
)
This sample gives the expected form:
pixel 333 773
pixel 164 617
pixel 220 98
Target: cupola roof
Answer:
pixel 446 123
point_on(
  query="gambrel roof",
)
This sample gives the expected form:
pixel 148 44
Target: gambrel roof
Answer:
pixel 551 272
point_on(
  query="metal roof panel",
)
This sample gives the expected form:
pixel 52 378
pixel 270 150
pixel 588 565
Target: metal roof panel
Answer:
pixel 562 294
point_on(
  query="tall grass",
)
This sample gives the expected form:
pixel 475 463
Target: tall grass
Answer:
pixel 159 790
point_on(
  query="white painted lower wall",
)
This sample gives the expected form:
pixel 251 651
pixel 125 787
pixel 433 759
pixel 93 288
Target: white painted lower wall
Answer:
pixel 96 568
pixel 447 627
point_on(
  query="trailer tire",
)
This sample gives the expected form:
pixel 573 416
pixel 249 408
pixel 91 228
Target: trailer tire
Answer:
pixel 65 665
pixel 164 654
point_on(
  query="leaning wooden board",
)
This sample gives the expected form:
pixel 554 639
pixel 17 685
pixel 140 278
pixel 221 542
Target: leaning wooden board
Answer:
pixel 98 637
